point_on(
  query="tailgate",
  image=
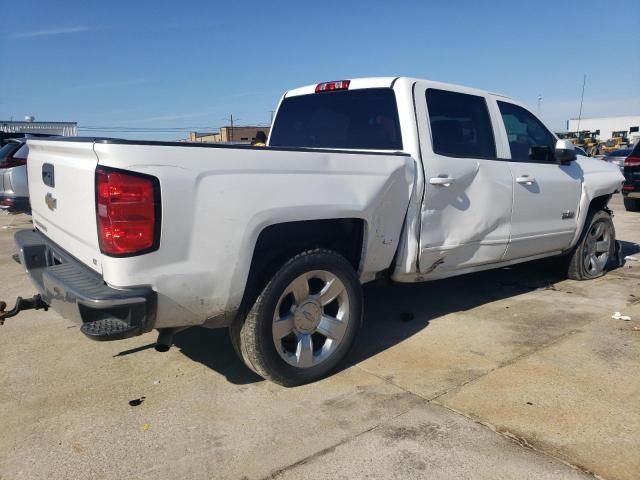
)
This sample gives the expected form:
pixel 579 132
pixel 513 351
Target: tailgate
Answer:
pixel 62 195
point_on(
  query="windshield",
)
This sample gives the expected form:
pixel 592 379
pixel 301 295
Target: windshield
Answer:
pixel 359 119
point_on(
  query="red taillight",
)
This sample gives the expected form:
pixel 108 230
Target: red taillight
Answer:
pixel 632 162
pixel 332 86
pixel 128 212
pixel 628 188
pixel 11 162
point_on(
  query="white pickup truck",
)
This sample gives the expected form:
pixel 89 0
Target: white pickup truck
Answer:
pixel 402 178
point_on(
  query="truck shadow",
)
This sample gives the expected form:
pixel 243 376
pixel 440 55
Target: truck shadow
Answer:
pixel 393 312
pixel 396 312
pixel 629 248
pixel 212 348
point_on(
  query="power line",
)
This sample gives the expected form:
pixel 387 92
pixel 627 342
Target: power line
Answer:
pixel 120 128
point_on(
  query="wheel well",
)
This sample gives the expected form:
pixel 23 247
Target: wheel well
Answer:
pixel 278 243
pixel 600 203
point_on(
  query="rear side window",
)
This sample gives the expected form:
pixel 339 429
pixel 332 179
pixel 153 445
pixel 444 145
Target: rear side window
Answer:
pixel 22 152
pixel 529 139
pixel 359 119
pixel 8 149
pixel 460 124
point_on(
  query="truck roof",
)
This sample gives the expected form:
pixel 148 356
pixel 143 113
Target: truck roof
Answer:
pixel 389 82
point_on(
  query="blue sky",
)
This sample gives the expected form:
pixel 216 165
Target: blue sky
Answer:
pixel 178 65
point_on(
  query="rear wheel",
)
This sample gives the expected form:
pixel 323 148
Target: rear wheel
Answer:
pixel 595 248
pixel 632 204
pixel 305 320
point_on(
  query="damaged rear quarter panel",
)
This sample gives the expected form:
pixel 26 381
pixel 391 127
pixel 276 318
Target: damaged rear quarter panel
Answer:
pixel 216 201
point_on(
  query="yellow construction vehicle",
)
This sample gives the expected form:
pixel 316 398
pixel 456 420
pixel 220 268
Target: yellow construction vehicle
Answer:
pixel 619 139
pixel 589 140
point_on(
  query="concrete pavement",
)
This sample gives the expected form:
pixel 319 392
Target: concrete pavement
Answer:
pixel 515 373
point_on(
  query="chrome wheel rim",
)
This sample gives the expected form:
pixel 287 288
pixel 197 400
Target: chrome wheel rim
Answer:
pixel 311 318
pixel 597 247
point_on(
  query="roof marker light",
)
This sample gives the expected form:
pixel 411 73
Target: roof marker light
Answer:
pixel 332 86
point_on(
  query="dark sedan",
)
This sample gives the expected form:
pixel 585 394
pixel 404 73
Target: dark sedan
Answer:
pixel 631 187
pixel 617 157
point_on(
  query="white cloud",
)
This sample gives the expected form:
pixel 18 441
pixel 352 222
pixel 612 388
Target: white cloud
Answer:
pixel 52 31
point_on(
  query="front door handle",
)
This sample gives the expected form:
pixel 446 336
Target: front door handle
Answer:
pixel 443 181
pixel 526 179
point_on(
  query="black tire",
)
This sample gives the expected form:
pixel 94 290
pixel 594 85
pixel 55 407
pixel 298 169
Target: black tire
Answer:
pixel 252 336
pixel 632 204
pixel 577 269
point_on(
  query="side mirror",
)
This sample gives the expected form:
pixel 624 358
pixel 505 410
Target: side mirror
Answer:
pixel 565 152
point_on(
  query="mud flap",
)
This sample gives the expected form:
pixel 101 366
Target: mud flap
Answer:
pixel 619 258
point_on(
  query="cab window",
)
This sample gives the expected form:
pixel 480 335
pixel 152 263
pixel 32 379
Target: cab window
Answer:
pixel 529 139
pixel 460 124
pixel 352 119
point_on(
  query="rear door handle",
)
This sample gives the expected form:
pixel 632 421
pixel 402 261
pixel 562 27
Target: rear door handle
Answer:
pixel 526 179
pixel 443 181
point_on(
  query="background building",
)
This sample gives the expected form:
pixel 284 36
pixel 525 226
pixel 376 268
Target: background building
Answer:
pixel 229 134
pixel 608 125
pixel 66 129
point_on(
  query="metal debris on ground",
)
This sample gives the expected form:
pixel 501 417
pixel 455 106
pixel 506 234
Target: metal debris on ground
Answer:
pixel 619 316
pixel 136 401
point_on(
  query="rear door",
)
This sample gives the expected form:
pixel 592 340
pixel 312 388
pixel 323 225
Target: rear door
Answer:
pixel 466 210
pixel 545 195
pixel 62 195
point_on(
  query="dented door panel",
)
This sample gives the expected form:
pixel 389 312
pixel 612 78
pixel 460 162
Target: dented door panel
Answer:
pixel 467 221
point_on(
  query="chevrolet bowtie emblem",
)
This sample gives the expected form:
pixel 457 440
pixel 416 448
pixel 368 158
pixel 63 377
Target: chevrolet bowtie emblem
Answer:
pixel 51 202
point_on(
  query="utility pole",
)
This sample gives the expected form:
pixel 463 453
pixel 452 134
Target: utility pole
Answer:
pixel 584 82
pixel 230 120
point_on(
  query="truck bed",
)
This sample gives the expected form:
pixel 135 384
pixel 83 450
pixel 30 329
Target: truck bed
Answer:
pixel 215 202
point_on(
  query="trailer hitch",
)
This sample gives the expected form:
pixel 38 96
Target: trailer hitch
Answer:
pixel 33 303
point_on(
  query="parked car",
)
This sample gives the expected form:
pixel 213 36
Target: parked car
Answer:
pixel 617 157
pixel 631 187
pixel 14 191
pixel 407 179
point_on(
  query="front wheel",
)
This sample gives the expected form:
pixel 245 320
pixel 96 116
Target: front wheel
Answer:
pixel 304 322
pixel 595 248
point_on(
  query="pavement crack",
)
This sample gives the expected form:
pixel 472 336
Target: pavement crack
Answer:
pixel 391 382
pixel 511 361
pixel 320 453
pixel 521 441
